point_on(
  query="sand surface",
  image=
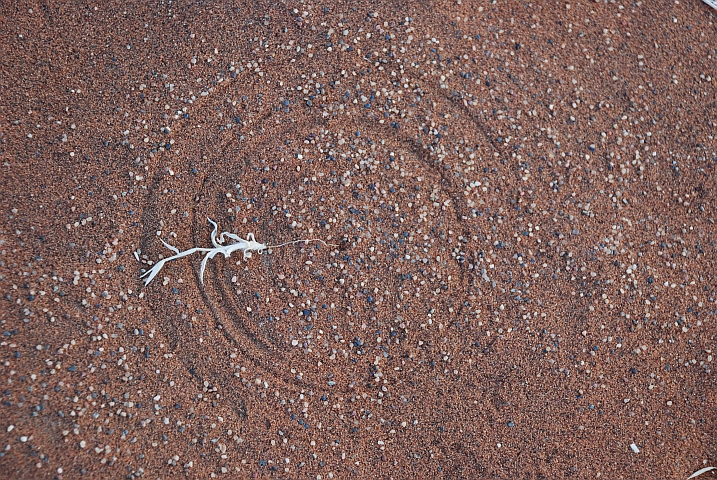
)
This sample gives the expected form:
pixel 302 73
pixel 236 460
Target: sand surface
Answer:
pixel 521 198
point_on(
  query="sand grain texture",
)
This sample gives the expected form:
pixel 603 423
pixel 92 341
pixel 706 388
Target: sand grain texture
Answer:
pixel 524 199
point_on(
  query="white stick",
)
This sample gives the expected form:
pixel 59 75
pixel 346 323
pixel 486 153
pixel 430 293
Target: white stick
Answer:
pixel 152 272
pixel 247 246
pixel 700 472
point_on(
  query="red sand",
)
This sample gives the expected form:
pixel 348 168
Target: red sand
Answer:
pixel 524 199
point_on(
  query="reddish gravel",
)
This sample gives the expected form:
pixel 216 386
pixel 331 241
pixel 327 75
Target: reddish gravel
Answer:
pixel 522 198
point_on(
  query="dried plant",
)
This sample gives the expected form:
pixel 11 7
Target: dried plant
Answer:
pixel 247 246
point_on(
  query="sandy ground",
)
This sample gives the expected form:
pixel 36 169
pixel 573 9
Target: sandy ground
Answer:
pixel 521 198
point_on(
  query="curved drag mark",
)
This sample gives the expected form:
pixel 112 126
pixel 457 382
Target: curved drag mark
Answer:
pixel 215 155
pixel 254 346
pixel 225 307
pixel 448 184
pixel 236 327
pixel 476 121
pixel 259 346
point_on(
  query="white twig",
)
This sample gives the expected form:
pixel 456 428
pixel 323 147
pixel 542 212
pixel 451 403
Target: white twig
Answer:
pixel 247 246
pixel 700 472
